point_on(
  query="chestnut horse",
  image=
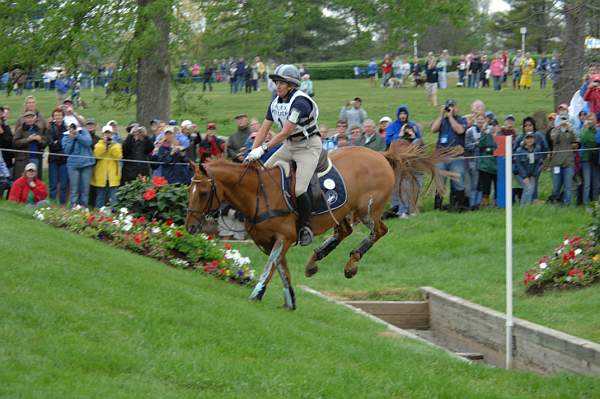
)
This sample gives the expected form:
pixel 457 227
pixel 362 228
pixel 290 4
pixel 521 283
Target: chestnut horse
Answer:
pixel 256 193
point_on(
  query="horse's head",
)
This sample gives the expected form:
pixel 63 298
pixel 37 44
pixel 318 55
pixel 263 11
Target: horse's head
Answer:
pixel 202 198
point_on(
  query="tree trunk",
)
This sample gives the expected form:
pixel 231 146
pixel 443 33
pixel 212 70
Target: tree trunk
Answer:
pixel 572 61
pixel 153 70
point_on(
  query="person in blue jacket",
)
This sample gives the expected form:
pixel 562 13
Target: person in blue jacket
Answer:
pixel 393 130
pixel 528 165
pixel 77 145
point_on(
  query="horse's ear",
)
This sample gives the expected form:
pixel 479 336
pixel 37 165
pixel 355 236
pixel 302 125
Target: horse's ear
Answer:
pixel 195 167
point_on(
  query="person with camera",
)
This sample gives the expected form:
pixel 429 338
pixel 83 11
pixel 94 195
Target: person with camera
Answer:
pixel 562 160
pixel 353 114
pixel 71 117
pixel 137 146
pixel 106 176
pixel 30 140
pixel 58 176
pixel 29 188
pixel 451 128
pixel 77 144
pixel 592 94
pixel 171 153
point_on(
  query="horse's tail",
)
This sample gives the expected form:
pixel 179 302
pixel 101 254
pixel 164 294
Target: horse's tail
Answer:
pixel 410 162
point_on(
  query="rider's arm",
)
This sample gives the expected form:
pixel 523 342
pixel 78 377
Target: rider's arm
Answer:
pixel 288 128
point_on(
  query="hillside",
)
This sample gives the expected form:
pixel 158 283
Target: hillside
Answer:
pixel 81 319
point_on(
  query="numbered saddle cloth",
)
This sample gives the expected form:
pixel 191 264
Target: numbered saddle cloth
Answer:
pixel 330 193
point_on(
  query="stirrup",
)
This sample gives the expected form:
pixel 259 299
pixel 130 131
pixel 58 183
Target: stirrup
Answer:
pixel 305 236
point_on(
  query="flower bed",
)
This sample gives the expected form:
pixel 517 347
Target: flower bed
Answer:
pixel 162 240
pixel 575 263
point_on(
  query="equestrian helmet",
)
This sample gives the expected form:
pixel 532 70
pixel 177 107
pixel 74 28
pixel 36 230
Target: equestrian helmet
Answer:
pixel 286 73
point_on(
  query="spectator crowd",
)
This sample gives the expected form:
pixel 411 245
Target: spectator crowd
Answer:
pixel 87 161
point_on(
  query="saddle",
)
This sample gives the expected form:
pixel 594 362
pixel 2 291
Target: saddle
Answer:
pixel 327 189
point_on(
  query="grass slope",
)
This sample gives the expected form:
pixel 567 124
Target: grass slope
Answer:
pixel 462 254
pixel 81 319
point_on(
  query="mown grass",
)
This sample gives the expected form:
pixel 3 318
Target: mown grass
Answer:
pixel 81 319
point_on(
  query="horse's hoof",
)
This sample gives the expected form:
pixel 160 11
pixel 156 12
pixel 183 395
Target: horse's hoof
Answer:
pixel 311 271
pixel 350 272
pixel 286 307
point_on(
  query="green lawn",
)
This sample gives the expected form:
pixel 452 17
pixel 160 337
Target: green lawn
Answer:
pixel 220 106
pixel 81 319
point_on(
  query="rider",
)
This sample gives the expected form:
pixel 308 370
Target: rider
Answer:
pixel 296 114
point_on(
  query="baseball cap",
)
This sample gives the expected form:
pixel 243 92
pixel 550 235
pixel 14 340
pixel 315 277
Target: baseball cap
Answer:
pixel 28 113
pixel 31 166
pixel 131 126
pixel 170 129
pixel 450 103
pixel 242 115
pixel 172 122
pixel 67 100
pixel 511 117
pixel 90 121
pixel 112 122
pixel 211 125
pixel 107 128
pixel 186 123
pixel 489 114
pixel 155 120
pixel 385 119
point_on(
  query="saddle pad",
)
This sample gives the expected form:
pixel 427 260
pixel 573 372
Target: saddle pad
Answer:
pixel 332 186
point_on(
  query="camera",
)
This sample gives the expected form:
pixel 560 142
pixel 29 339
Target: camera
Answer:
pixel 73 126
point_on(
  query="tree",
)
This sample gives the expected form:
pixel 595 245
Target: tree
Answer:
pixel 572 56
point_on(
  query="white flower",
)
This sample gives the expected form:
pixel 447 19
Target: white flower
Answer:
pixel 543 265
pixel 170 233
pixel 578 251
pixel 569 279
pixel 155 230
pixel 243 261
pixel 566 242
pixel 116 222
pixel 252 274
pixel 105 210
pixel 123 210
pixel 77 207
pixel 538 276
pixel 38 215
pixel 127 226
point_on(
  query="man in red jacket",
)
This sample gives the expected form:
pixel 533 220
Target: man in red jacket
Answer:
pixel 28 189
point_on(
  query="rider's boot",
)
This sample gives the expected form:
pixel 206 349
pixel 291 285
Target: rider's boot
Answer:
pixel 305 234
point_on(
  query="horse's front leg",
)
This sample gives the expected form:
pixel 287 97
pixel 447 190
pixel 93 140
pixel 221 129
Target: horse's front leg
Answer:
pixel 289 298
pixel 265 277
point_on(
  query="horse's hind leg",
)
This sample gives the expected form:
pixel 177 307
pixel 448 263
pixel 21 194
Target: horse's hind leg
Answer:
pixel 289 298
pixel 378 230
pixel 343 230
pixel 265 277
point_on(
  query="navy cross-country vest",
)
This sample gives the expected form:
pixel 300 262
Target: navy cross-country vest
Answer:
pixel 306 126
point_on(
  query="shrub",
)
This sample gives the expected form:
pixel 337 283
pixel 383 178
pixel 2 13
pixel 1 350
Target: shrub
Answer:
pixel 154 199
pixel 575 263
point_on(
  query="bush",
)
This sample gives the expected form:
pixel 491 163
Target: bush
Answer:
pixel 154 199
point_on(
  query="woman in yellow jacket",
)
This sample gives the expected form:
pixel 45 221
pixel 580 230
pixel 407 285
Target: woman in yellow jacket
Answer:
pixel 107 172
pixel 527 68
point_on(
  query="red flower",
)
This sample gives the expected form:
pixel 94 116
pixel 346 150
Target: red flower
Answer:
pixel 159 181
pixel 178 234
pixel 91 219
pixel 228 246
pixel 209 237
pixel 149 194
pixel 214 263
pixel 141 220
pixel 169 222
pixel 138 238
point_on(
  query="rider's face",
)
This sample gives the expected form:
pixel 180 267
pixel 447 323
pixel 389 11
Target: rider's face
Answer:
pixel 283 89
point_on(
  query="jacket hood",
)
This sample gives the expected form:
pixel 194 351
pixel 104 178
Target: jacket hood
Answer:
pixel 402 108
